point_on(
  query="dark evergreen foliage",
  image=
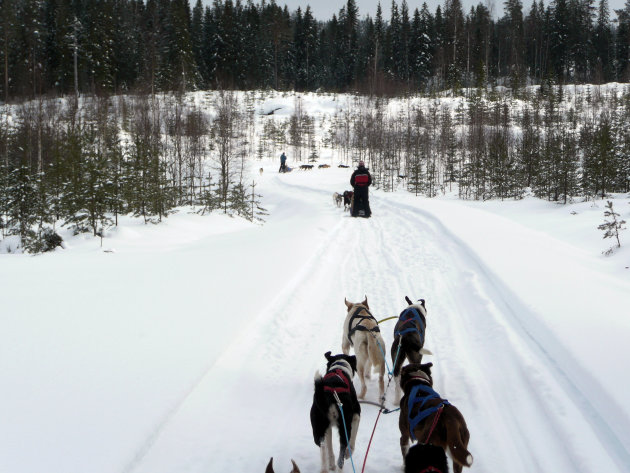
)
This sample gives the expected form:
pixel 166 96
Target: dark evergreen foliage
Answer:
pixel 70 163
pixel 121 45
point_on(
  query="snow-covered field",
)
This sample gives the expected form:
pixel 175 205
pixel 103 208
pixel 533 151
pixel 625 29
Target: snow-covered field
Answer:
pixel 190 346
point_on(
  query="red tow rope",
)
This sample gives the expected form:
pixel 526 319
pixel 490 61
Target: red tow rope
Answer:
pixel 370 443
pixel 435 421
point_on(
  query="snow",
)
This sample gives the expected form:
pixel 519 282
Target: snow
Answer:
pixel 190 346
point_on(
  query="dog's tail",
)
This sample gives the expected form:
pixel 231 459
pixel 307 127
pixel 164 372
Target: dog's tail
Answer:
pixel 456 447
pixel 376 347
pixel 317 378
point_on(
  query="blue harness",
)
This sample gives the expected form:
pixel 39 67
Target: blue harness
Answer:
pixel 420 394
pixel 411 314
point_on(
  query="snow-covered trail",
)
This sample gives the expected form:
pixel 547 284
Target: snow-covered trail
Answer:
pixel 253 401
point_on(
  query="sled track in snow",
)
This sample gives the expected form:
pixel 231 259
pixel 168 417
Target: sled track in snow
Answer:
pixel 613 432
pixel 480 333
pixel 610 431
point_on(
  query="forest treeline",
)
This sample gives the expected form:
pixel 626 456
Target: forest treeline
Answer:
pixel 83 163
pixel 116 46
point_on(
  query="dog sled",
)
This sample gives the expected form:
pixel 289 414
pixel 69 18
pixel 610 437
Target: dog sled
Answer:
pixel 359 207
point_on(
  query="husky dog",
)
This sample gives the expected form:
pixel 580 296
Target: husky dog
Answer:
pixel 408 342
pixel 337 199
pixel 335 385
pixel 347 199
pixel 270 467
pixel 425 458
pixel 261 171
pixel 428 418
pixel 361 331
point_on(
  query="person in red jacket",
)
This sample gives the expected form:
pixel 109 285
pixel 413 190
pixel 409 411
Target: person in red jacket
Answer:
pixel 360 181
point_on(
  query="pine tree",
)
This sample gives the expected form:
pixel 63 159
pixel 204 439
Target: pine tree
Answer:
pixel 514 42
pixel 28 50
pixel 622 43
pixel 611 227
pixel 603 45
pixel 559 46
pixel 257 212
pixel 196 39
pixel 21 205
pixel 238 201
pixel 454 43
pixel 8 31
pixel 420 45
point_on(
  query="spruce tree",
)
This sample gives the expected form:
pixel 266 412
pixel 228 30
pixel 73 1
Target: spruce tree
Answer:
pixel 8 30
pixel 612 227
pixel 603 45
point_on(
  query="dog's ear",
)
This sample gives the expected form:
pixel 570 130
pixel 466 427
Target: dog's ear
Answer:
pixel 328 355
pixel 295 467
pixel 348 304
pixel 426 367
pixel 365 302
pixel 421 302
pixel 410 368
pixel 353 363
pixel 408 300
pixel 270 466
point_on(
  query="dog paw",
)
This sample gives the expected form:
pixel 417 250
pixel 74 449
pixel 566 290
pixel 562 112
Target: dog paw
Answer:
pixel 340 461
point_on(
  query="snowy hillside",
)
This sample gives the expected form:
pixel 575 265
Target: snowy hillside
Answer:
pixel 190 346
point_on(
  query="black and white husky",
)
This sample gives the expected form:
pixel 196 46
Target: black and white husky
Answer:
pixel 325 411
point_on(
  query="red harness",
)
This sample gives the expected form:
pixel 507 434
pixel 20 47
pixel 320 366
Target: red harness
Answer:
pixel 336 374
pixel 431 469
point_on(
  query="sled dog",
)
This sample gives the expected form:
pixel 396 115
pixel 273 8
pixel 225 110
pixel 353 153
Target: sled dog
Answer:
pixel 325 412
pixel 408 342
pixel 270 467
pixel 347 199
pixel 428 418
pixel 361 331
pixel 337 199
pixel 425 458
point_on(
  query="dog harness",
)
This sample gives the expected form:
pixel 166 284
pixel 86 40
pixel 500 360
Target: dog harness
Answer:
pixel 335 381
pixel 431 469
pixel 420 394
pixel 411 314
pixel 358 326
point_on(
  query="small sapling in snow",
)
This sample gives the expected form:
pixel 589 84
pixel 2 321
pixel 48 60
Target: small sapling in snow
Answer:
pixel 611 227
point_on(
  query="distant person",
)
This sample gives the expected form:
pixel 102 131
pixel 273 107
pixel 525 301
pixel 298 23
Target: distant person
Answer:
pixel 360 181
pixel 283 163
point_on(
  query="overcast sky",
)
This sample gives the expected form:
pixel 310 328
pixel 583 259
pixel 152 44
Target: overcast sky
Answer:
pixel 324 9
